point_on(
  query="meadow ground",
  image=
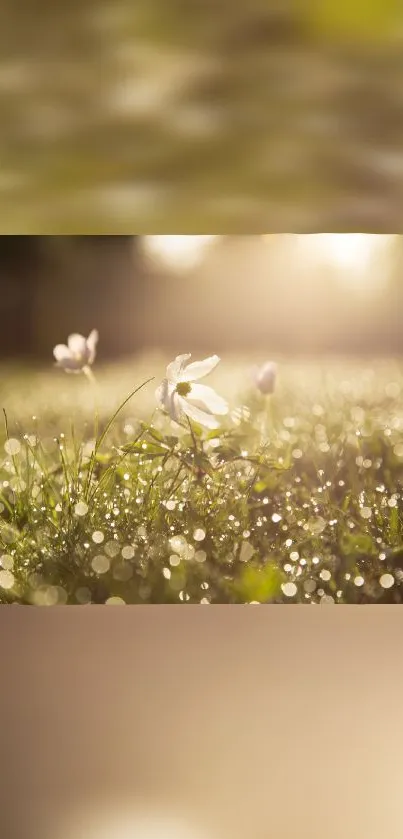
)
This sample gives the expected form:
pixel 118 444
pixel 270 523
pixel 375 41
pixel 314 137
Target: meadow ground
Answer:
pixel 297 498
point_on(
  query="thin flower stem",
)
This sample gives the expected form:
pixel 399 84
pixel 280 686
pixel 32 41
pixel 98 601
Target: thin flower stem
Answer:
pixel 99 441
pixel 192 435
pixel 91 378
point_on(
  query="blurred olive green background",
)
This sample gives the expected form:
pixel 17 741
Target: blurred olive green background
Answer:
pixel 200 116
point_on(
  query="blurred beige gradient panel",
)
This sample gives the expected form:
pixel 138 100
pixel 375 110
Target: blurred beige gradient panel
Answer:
pixel 223 723
pixel 201 116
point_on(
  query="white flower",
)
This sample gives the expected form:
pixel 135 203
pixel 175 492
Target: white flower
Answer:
pixel 265 377
pixel 178 396
pixel 78 354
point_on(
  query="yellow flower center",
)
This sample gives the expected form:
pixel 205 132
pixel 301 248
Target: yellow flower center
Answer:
pixel 183 388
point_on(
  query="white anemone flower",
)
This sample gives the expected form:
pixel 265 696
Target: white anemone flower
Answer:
pixel 179 397
pixel 78 354
pixel 265 377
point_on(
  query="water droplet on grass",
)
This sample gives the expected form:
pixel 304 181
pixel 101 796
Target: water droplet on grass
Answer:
pixel 100 564
pixel 112 548
pixel 12 446
pixel 128 552
pixel 9 534
pixel 289 589
pixel 178 544
pixel 81 509
pixel 317 525
pixel 387 581
pixel 7 579
pixel 83 595
pixel 7 561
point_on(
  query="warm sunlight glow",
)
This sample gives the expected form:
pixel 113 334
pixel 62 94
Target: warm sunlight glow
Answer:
pixel 178 252
pixel 353 256
pixel 347 250
pixel 133 825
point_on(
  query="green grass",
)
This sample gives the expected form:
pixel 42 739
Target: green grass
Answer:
pixel 296 499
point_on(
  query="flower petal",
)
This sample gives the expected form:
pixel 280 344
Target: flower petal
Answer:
pixel 197 414
pixel 70 364
pixel 168 400
pixel 161 393
pixel 209 398
pixel 61 351
pixel 198 369
pixel 175 368
pixel 175 406
pixel 77 345
pixel 92 341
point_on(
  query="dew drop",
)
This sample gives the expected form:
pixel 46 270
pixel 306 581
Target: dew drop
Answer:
pixel 7 579
pixel 128 552
pixel 289 589
pixel 81 509
pixel 83 595
pixel 100 564
pixel 112 548
pixel 12 446
pixel 387 581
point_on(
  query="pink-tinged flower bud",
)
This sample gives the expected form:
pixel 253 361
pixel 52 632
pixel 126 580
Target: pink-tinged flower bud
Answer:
pixel 265 377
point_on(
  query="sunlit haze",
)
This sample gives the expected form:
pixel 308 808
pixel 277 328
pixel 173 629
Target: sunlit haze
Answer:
pixel 178 252
pixel 134 824
pixel 351 256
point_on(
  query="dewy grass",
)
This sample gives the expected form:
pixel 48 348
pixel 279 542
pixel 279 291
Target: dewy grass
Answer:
pixel 296 497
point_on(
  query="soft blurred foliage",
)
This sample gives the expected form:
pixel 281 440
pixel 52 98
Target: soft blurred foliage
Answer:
pixel 197 116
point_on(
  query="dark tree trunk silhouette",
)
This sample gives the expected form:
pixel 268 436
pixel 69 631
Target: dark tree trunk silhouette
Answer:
pixel 20 259
pixel 52 286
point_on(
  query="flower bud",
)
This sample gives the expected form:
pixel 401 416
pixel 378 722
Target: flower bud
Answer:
pixel 265 377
